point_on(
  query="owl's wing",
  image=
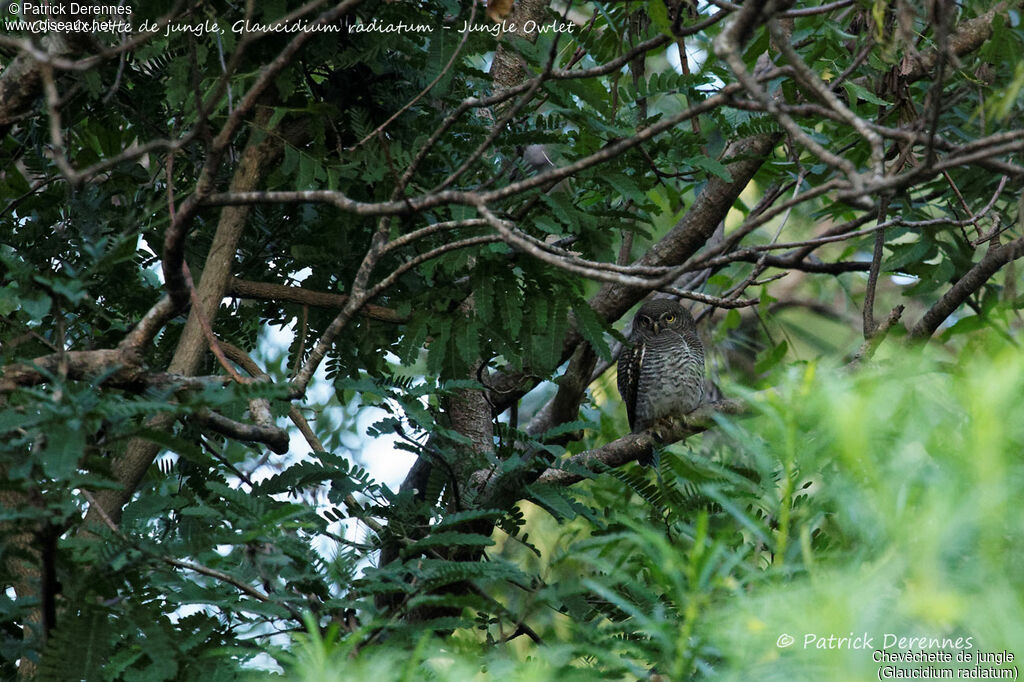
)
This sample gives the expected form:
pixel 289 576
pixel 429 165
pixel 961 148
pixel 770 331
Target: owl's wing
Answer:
pixel 628 378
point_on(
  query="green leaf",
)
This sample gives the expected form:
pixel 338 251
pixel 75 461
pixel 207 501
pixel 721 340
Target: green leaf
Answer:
pixel 907 254
pixel 592 328
pixel 509 302
pixel 554 500
pixel 1002 104
pixel 659 16
pixel 625 186
pixel 965 325
pixel 65 446
pixel 456 518
pixel 770 357
pixel 732 320
pixel 857 91
pixel 438 349
pixel 9 299
pixel 483 295
pixel 466 342
pixel 449 539
pixel 711 166
pixel 36 307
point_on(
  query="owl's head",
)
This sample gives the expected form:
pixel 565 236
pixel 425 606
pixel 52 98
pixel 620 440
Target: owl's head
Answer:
pixel 660 315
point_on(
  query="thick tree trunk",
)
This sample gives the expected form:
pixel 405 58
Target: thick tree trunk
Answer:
pixel 256 159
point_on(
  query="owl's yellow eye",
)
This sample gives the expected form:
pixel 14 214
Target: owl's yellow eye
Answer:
pixel 670 318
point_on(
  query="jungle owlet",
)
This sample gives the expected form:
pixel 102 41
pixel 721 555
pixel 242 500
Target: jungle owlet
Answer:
pixel 663 372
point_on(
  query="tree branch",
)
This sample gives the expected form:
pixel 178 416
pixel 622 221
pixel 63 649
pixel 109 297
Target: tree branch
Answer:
pixel 621 451
pixel 271 436
pixel 634 445
pixel 268 291
pixel 174 238
pixel 257 157
pixel 170 561
pixel 876 264
pixel 434 199
pixel 973 279
pixel 117 367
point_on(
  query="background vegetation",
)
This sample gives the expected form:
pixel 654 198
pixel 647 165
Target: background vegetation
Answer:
pixel 453 226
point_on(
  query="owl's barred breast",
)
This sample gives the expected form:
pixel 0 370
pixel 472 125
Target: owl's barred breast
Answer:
pixel 671 379
pixel 661 372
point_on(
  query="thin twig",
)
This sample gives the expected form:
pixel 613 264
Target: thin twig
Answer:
pixel 811 80
pixel 870 345
pixel 876 266
pixel 425 90
pixel 177 563
pixel 715 301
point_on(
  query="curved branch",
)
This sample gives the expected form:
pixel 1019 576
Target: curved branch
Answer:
pixel 973 279
pixel 146 330
pixel 969 36
pixel 617 453
pixel 634 445
pixel 242 586
pixel 360 295
pixel 271 436
pixel 174 239
pixel 433 200
pixel 116 366
pixel 527 244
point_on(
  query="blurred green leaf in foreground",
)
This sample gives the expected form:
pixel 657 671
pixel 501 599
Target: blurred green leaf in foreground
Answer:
pixel 851 511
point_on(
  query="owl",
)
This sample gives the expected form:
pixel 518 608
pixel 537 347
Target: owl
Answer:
pixel 662 373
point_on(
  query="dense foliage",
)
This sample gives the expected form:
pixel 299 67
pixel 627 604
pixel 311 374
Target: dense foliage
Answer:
pixel 797 520
pixel 451 225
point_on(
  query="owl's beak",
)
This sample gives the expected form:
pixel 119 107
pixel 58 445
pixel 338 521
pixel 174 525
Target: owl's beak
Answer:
pixel 657 326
